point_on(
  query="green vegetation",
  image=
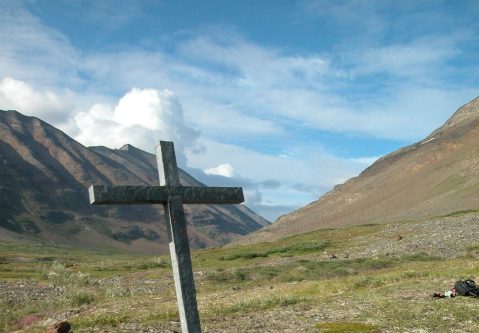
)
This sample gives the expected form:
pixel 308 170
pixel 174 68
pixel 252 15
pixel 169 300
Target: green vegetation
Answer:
pixel 290 250
pixel 257 304
pixel 347 328
pixel 461 213
pixel 297 281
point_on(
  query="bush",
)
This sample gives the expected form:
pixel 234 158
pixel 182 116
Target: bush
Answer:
pixel 117 290
pixel 235 275
pixel 78 298
pixel 59 274
pixel 241 274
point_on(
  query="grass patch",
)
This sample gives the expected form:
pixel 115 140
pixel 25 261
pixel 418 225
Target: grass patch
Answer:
pixel 336 327
pixel 58 273
pixel 292 249
pixel 419 256
pixel 257 304
pixel 106 319
pixel 308 270
pixel 461 213
pixel 473 251
pixel 368 282
pixel 415 275
pixel 164 315
pixel 78 298
pixel 230 276
pixel 245 255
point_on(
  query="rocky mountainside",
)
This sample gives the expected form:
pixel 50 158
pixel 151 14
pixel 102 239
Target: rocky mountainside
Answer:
pixel 433 177
pixel 44 176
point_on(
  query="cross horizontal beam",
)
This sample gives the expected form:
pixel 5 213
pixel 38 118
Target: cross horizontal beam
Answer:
pixel 137 195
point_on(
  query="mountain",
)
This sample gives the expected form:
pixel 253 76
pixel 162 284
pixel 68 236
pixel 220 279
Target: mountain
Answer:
pixel 433 177
pixel 44 176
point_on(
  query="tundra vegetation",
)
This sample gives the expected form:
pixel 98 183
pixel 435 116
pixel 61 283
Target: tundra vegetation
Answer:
pixel 333 280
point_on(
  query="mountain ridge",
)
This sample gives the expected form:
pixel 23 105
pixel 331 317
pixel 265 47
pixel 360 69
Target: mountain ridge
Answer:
pixel 44 177
pixel 436 176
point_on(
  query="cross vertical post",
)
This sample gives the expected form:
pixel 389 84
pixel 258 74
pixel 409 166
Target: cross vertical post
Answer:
pixel 179 245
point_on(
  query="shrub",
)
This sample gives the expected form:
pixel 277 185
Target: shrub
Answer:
pixel 235 275
pixel 117 290
pixel 59 274
pixel 78 298
pixel 241 274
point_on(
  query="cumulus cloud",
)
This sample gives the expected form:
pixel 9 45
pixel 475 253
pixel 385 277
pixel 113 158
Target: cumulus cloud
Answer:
pixel 225 170
pixel 141 117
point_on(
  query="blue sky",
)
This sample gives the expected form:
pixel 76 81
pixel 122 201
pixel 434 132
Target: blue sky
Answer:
pixel 284 98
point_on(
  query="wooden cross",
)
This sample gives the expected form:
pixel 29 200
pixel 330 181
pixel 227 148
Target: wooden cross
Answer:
pixel 172 195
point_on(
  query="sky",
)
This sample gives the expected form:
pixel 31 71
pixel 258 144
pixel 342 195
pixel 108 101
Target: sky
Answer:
pixel 283 98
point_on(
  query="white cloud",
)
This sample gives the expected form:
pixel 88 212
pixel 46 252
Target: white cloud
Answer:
pixel 252 66
pixel 33 52
pixel 225 170
pixel 141 117
pixel 283 91
pixel 253 197
pixel 367 161
pixel 417 60
pixel 19 95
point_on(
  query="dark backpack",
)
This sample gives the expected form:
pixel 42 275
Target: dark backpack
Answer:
pixel 466 288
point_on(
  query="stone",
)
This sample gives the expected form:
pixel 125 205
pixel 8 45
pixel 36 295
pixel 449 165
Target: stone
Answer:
pixel 61 327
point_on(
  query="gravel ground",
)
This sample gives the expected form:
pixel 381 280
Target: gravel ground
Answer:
pixel 445 237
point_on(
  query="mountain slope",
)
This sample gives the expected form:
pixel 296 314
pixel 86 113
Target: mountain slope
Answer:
pixel 436 176
pixel 44 176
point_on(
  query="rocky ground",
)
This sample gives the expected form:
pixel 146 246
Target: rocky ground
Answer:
pixel 445 237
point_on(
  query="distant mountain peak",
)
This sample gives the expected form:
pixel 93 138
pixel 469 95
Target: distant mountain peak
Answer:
pixel 465 113
pixel 462 117
pixel 128 147
pixel 132 150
